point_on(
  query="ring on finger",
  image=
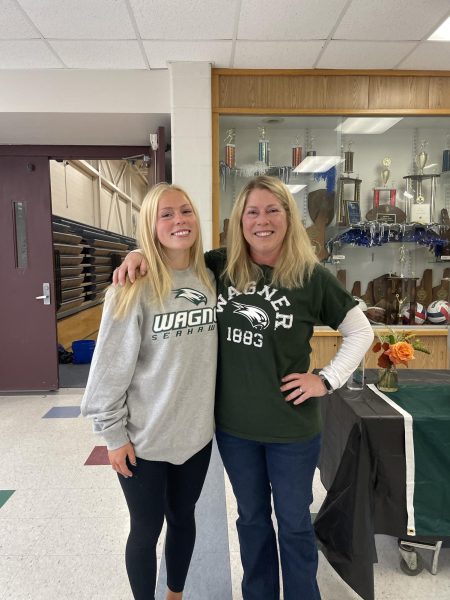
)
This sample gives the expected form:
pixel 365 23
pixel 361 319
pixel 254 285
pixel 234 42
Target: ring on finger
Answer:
pixel 300 389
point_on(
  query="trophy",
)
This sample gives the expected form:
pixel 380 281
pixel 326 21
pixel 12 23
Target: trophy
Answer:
pixel 395 215
pixel 263 147
pixel 422 157
pixel 230 148
pixel 446 156
pixel 348 159
pixel 309 146
pixel 385 172
pixel 296 153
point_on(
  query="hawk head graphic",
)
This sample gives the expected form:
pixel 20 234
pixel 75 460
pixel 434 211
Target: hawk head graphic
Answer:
pixel 192 295
pixel 257 316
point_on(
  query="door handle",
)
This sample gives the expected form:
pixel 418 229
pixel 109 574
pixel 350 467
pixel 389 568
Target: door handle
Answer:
pixel 46 293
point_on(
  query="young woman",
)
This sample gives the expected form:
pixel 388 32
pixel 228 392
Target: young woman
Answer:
pixel 150 391
pixel 271 292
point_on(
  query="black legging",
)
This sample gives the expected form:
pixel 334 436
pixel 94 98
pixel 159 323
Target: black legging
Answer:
pixel 159 489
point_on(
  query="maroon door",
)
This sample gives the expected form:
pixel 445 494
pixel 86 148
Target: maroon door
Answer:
pixel 28 340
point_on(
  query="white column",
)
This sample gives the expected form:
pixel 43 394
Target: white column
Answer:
pixel 191 145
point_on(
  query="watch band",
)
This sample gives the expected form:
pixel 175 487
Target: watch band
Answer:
pixel 327 384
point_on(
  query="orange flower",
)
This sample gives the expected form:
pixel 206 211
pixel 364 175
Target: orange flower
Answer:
pixel 400 353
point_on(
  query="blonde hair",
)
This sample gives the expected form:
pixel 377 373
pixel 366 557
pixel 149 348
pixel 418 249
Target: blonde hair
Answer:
pixel 158 278
pixel 297 257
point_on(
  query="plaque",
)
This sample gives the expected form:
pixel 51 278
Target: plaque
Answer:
pixel 385 213
pixel 353 212
pixel 386 217
pixel 420 213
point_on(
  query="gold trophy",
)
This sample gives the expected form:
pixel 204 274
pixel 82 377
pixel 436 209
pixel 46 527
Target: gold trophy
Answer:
pixel 385 172
pixel 422 157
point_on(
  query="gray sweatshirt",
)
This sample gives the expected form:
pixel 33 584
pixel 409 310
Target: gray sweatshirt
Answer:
pixel 153 373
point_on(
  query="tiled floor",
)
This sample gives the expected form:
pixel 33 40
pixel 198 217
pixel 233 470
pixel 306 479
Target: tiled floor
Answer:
pixel 63 520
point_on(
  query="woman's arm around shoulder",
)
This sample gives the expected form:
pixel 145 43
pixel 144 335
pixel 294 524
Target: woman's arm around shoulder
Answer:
pixel 133 265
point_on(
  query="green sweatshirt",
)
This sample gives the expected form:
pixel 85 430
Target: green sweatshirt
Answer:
pixel 264 334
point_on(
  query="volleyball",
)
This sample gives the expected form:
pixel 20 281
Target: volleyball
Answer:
pixel 438 312
pixel 420 316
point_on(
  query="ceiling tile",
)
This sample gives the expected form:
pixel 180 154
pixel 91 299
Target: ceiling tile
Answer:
pixel 363 55
pixel 276 55
pixel 288 20
pixel 387 20
pixel 80 19
pixel 428 55
pixel 161 53
pixel 13 23
pixel 186 20
pixel 100 55
pixel 27 54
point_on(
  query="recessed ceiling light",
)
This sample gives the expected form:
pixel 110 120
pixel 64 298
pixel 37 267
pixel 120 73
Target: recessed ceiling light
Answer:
pixel 294 189
pixel 318 164
pixel 367 125
pixel 442 33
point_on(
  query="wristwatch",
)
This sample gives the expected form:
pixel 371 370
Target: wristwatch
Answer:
pixel 327 384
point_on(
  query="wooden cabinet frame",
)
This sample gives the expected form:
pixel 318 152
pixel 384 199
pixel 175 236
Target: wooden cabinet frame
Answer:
pixel 321 92
pixel 329 93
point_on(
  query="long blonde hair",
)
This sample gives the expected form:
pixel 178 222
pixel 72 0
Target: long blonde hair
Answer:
pixel 158 278
pixel 297 257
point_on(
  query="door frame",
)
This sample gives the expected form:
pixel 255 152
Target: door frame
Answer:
pixel 68 152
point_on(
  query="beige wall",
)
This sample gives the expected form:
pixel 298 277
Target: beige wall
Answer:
pixel 80 192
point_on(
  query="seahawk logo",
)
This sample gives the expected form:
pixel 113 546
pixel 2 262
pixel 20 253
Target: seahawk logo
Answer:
pixel 257 316
pixel 192 295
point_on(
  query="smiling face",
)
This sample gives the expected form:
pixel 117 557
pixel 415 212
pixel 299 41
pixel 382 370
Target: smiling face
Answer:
pixel 176 227
pixel 264 226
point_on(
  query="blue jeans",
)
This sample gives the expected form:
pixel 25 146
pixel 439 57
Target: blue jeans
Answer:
pixel 257 470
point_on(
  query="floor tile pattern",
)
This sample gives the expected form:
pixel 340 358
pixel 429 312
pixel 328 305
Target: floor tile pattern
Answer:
pixel 5 495
pixel 98 456
pixel 63 412
pixel 63 527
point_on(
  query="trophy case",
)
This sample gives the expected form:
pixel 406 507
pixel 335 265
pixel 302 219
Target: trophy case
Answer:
pixel 373 194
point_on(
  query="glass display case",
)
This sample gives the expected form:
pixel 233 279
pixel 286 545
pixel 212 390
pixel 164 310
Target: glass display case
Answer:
pixel 373 193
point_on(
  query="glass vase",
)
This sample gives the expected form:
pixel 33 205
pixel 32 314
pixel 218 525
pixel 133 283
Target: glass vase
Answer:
pixel 388 379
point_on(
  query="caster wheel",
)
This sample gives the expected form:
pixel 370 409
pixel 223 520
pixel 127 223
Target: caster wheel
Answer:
pixel 412 572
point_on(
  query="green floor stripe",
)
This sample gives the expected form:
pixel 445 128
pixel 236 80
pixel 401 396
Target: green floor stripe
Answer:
pixel 5 495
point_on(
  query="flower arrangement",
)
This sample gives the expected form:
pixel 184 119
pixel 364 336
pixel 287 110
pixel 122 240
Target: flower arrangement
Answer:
pixel 398 348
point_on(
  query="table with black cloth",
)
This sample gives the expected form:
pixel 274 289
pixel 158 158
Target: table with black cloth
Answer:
pixel 363 468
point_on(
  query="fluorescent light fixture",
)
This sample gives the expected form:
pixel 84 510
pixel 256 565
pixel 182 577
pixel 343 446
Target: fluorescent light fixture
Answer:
pixel 318 164
pixel 442 33
pixel 295 189
pixel 368 125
